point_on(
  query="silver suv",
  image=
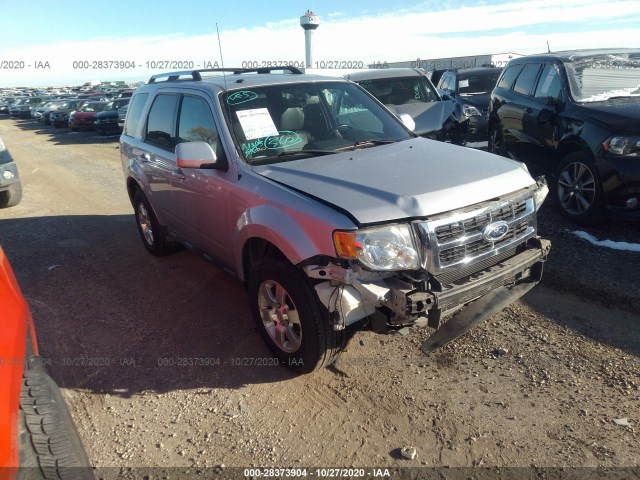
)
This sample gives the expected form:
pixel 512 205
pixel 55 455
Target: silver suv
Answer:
pixel 327 207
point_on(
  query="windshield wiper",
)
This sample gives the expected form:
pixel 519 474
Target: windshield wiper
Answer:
pixel 293 153
pixel 367 143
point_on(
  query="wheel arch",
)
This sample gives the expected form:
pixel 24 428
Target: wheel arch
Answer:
pixel 573 145
pixel 132 187
pixel 267 230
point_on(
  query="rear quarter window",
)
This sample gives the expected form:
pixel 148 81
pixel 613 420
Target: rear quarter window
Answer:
pixel 134 113
pixel 509 76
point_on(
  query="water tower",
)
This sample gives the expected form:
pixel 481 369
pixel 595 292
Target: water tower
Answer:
pixel 309 22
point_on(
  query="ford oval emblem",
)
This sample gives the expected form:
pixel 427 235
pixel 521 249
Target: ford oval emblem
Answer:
pixel 495 231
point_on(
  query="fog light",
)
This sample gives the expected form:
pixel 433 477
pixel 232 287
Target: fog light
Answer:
pixel 632 202
pixel 8 175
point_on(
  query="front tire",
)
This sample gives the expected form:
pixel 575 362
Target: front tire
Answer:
pixel 153 236
pixel 11 196
pixel 291 319
pixel 577 189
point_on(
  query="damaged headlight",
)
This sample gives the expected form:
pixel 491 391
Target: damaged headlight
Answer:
pixel 469 110
pixel 628 146
pixel 541 192
pixel 379 248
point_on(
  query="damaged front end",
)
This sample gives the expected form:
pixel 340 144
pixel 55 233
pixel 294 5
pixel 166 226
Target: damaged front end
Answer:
pixel 470 263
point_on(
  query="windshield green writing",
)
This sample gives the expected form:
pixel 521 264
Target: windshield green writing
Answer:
pixel 241 97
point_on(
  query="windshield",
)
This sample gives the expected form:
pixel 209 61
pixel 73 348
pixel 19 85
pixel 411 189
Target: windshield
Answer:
pixel 400 91
pixel 479 82
pixel 601 77
pixel 92 107
pixel 282 122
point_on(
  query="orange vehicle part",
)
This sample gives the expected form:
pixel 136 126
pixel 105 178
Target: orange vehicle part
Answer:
pixel 15 324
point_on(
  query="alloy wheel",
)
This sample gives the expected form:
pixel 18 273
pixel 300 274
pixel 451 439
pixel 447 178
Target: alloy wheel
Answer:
pixel 576 188
pixel 280 316
pixel 144 222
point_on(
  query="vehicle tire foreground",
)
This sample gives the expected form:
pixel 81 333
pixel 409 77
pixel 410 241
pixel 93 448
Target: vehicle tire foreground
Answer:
pixel 50 447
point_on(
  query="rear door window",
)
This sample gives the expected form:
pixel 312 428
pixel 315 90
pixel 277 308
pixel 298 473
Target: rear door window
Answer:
pixel 526 79
pixel 161 121
pixel 509 76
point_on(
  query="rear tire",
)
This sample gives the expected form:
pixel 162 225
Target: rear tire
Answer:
pixel 291 319
pixel 153 235
pixel 12 196
pixel 496 140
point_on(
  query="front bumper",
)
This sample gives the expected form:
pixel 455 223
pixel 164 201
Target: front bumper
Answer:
pixel 415 301
pixel 398 301
pixel 620 181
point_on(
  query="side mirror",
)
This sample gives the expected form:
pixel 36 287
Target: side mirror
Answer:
pixel 555 103
pixel 197 155
pixel 445 96
pixel 408 121
pixel 547 115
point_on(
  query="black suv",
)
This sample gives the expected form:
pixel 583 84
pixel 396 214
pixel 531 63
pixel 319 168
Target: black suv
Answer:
pixel 470 88
pixel 576 116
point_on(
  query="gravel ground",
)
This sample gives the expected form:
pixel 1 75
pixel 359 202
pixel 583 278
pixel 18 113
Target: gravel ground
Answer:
pixel 161 365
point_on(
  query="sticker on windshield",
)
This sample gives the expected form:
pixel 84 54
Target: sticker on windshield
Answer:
pixel 241 97
pixel 463 83
pixel 256 123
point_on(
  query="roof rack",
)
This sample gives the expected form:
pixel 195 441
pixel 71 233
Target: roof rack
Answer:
pixel 196 74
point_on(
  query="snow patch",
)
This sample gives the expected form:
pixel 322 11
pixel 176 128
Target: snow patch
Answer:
pixel 631 247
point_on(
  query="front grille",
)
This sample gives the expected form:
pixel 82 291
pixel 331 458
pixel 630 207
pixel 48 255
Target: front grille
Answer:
pixel 447 244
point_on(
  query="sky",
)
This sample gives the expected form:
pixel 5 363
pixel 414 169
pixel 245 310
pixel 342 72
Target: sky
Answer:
pixel 67 41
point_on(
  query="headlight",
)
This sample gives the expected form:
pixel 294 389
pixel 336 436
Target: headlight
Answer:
pixel 541 193
pixel 379 248
pixel 629 146
pixel 2 147
pixel 469 110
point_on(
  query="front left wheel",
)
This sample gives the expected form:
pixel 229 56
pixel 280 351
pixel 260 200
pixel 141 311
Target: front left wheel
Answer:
pixel 291 319
pixel 577 189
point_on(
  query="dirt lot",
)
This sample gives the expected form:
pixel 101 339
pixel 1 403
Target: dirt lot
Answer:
pixel 161 364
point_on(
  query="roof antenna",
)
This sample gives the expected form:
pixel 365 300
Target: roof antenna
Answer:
pixel 221 60
pixel 548 49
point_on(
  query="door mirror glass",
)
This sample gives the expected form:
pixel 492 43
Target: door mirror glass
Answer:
pixel 196 155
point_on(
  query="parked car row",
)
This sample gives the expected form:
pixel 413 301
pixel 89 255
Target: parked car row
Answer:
pixel 86 112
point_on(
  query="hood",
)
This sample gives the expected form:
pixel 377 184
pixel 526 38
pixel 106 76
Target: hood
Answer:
pixel 409 179
pixel 620 115
pixel 480 101
pixel 429 117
